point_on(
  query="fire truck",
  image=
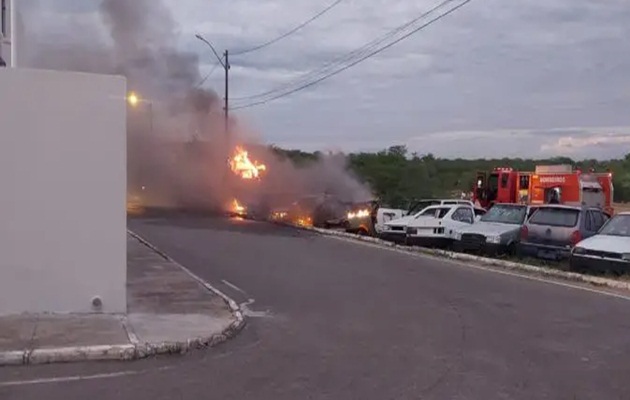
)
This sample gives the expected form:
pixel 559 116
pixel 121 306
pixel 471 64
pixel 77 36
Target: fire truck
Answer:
pixel 548 184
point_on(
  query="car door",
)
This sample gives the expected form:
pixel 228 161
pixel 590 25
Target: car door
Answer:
pixel 600 219
pixel 591 224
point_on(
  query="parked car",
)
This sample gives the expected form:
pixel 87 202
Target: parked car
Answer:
pixel 323 211
pixel 435 225
pixel 416 206
pixel 370 219
pixel 496 232
pixel 553 230
pixel 361 218
pixel 608 250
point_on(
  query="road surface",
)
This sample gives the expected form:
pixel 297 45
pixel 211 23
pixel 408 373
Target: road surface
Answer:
pixel 330 319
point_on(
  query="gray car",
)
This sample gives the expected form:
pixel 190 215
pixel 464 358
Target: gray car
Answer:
pixel 496 232
pixel 553 230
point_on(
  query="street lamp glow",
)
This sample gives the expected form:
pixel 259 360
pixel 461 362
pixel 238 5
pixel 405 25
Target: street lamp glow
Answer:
pixel 133 99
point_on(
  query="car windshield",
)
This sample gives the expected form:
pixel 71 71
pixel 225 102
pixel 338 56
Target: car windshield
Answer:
pixel 618 226
pixel 506 214
pixel 551 216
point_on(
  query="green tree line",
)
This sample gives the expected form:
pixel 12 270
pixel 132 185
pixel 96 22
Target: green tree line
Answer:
pixel 396 176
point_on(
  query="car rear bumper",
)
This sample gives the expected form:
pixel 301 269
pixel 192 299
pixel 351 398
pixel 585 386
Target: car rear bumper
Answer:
pixel 393 237
pixel 429 241
pixel 543 251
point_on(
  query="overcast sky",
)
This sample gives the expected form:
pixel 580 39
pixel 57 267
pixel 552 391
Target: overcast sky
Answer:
pixel 495 78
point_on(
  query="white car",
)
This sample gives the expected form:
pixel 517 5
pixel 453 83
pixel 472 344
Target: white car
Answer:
pixel 433 226
pixel 436 226
pixel 608 250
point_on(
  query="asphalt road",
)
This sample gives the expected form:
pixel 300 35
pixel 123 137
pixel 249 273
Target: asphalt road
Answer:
pixel 329 319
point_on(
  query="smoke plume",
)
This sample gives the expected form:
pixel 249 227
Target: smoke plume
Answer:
pixel 177 146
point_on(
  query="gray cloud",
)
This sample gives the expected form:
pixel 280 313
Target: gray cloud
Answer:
pixel 542 69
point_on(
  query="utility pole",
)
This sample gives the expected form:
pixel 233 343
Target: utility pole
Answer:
pixel 225 63
pixel 226 66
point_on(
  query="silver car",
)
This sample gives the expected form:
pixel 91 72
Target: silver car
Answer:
pixel 496 232
pixel 608 251
pixel 553 230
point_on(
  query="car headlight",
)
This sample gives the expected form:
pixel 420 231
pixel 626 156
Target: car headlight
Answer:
pixel 493 239
pixel 579 250
pixel 457 235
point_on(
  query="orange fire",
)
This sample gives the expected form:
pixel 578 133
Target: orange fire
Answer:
pixel 358 214
pixel 304 221
pixel 237 208
pixel 241 165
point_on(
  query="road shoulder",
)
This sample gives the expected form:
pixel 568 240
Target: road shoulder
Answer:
pixel 169 310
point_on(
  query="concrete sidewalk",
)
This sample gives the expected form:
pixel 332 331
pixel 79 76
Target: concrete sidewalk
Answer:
pixel 169 310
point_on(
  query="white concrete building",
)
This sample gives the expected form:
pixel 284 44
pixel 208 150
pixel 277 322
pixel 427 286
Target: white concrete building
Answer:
pixel 7 24
pixel 63 192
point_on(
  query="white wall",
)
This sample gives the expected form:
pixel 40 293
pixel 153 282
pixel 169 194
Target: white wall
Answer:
pixel 62 191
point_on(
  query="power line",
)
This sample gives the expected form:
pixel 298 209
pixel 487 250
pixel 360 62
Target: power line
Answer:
pixel 348 57
pixel 205 78
pixel 292 31
pixel 371 54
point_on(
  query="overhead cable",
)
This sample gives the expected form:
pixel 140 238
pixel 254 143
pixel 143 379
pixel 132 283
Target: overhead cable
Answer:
pixel 353 63
pixel 288 33
pixel 346 58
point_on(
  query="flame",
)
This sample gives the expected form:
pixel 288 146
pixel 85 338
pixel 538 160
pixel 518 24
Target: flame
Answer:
pixel 359 214
pixel 237 208
pixel 303 221
pixel 279 215
pixel 241 165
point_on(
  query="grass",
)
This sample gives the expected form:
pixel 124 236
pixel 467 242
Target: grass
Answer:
pixel 620 207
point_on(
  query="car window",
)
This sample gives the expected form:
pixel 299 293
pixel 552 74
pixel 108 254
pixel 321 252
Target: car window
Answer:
pixel 463 214
pixel 428 211
pixel 619 225
pixel 589 222
pixel 600 219
pixel 421 205
pixel 479 211
pixel 505 213
pixel 442 212
pixel 551 216
pixel 531 212
pixel 504 180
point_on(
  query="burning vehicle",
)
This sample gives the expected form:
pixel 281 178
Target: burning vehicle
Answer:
pixel 180 146
pixel 322 211
pixel 361 218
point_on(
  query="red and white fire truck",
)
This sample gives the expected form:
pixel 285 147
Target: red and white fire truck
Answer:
pixel 559 184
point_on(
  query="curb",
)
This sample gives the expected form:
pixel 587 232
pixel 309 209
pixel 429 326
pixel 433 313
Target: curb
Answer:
pixel 134 350
pixel 507 265
pixel 12 358
pixel 229 332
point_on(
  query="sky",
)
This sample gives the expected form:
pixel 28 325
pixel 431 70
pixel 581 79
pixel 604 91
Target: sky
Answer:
pixel 497 78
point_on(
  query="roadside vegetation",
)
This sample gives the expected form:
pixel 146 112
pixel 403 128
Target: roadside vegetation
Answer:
pixel 396 176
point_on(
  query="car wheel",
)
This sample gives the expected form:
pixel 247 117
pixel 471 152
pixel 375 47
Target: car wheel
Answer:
pixel 511 250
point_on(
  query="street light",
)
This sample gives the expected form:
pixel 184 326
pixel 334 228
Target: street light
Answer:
pixel 133 99
pixel 225 63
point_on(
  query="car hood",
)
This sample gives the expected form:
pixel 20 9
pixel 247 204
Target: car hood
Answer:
pixel 404 221
pixel 616 244
pixel 489 228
